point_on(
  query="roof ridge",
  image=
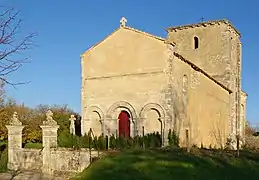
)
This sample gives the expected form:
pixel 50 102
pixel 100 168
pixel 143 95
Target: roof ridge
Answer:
pixel 211 22
pixel 128 28
pixel 196 68
pixel 145 33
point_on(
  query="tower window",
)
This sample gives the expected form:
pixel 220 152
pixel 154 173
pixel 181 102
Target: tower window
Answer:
pixel 196 42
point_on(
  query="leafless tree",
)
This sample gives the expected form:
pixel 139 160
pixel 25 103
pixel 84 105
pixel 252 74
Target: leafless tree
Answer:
pixel 218 133
pixel 12 45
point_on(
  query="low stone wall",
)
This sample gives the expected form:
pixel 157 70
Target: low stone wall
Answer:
pixel 252 141
pixel 50 158
pixel 28 159
pixel 70 160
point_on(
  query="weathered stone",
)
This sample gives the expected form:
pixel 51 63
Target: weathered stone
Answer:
pixel 49 119
pixel 131 70
pixel 72 124
pixel 14 144
pixel 5 176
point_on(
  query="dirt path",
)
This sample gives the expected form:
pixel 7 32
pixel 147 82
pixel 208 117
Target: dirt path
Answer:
pixel 28 175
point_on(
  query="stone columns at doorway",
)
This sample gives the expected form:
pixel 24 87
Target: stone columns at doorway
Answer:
pixel 152 116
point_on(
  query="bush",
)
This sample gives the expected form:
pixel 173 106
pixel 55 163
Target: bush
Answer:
pixel 112 142
pixel 101 142
pixel 65 139
pixel 3 160
pixel 173 139
pixel 84 141
pixel 228 144
pixel 33 145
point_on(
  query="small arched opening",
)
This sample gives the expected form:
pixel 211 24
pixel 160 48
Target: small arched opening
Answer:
pixel 196 42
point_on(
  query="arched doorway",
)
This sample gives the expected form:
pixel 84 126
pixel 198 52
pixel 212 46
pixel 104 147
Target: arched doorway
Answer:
pixel 124 124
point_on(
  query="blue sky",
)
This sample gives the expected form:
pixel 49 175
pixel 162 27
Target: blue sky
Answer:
pixel 67 28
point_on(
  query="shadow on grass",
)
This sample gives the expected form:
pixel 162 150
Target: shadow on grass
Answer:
pixel 172 164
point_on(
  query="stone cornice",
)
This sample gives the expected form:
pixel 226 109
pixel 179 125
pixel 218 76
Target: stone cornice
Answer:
pixel 204 24
pixel 123 75
pixel 244 93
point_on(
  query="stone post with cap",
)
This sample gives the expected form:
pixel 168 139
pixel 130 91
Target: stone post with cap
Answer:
pixel 49 140
pixel 14 128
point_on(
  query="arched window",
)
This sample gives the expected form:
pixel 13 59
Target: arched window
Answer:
pixel 196 42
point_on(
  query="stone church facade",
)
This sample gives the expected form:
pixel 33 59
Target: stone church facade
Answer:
pixel 189 82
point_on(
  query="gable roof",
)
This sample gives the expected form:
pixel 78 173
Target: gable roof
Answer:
pixel 193 66
pixel 208 23
pixel 128 28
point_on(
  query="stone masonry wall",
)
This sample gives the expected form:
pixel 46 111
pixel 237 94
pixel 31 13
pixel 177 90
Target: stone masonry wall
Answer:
pixel 70 160
pixel 252 141
pixel 218 54
pixel 48 159
pixel 124 72
pixel 28 159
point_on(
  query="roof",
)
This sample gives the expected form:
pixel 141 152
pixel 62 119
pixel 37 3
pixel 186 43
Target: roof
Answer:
pixel 196 68
pixel 204 24
pixel 131 29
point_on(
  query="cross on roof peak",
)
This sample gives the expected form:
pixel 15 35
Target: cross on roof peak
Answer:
pixel 123 22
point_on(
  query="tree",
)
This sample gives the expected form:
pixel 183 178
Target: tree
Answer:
pixel 12 45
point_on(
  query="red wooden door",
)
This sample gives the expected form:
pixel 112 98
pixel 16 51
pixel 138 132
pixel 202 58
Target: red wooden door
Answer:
pixel 124 124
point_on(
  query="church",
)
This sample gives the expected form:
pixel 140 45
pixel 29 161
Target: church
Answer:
pixel 189 82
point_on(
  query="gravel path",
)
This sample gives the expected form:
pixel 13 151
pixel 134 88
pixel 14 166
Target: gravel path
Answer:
pixel 28 175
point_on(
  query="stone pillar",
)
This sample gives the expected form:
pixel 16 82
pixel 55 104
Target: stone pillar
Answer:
pixel 166 122
pixel 49 140
pixel 49 136
pixel 14 141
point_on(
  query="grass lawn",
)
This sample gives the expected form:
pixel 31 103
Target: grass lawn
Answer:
pixel 33 145
pixel 173 164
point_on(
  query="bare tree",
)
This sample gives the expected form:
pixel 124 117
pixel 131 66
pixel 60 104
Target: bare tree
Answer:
pixel 12 46
pixel 218 133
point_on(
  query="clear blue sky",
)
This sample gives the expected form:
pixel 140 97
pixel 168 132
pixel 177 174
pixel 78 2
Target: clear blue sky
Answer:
pixel 67 28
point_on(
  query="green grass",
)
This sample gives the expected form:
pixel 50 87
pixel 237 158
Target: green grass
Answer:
pixel 33 145
pixel 173 164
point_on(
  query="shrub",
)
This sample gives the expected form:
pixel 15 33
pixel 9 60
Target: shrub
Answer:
pixel 138 141
pixel 33 145
pixel 173 139
pixel 228 144
pixel 101 142
pixel 65 139
pixel 84 141
pixel 195 149
pixel 122 142
pixel 112 142
pixel 130 142
pixel 3 160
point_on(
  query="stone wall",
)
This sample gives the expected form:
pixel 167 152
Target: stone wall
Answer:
pixel 218 54
pixel 145 77
pixel 205 114
pixel 28 159
pixel 50 158
pixel 70 160
pixel 252 141
pixel 126 72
